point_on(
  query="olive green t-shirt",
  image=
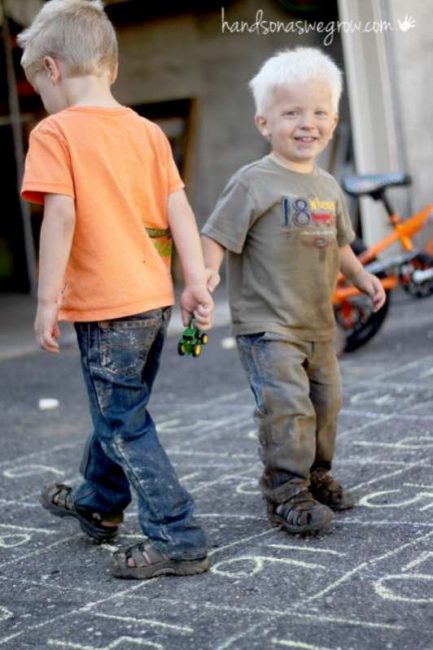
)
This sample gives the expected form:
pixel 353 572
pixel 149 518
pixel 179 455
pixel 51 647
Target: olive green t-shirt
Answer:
pixel 282 230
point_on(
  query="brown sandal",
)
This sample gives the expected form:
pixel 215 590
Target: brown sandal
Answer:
pixel 300 514
pixel 151 563
pixel 58 499
pixel 328 491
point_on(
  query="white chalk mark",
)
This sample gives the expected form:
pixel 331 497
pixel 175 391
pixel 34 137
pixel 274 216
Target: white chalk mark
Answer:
pixel 361 567
pixel 266 611
pixel 420 442
pixel 406 468
pixel 53 585
pixel 378 419
pixel 426 373
pixel 193 475
pixel 48 403
pixel 250 486
pixel 211 454
pixel 387 523
pixel 78 610
pixel 365 425
pixel 28 529
pixel 421 486
pixel 30 470
pixel 38 552
pixel 240 541
pixel 389 594
pixel 423 557
pixel 229 343
pixel 258 562
pixel 43 452
pixel 145 621
pixel 222 479
pixel 231 515
pixel 289 547
pixel 298 644
pixel 411 365
pixel 12 540
pixel 118 643
pixel 5 613
pixel 367 499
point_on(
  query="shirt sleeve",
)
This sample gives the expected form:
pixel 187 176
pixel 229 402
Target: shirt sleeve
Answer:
pixel 174 180
pixel 232 217
pixel 345 232
pixel 47 167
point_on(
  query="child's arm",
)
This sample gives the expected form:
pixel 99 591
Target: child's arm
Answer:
pixel 353 270
pixel 55 245
pixel 195 297
pixel 213 256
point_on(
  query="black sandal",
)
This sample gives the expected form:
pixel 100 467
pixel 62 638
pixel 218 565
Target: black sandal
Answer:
pixel 151 563
pixel 58 499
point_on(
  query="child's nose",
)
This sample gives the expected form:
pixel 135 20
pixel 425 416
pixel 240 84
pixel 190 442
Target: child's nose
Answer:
pixel 307 121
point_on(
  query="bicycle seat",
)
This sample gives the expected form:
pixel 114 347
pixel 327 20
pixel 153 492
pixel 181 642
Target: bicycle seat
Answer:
pixel 373 184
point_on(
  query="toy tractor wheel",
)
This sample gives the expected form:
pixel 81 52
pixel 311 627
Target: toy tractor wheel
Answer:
pixel 204 339
pixel 181 349
pixel 196 351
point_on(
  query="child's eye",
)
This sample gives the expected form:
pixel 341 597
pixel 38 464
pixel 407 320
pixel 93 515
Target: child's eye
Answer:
pixel 321 113
pixel 290 113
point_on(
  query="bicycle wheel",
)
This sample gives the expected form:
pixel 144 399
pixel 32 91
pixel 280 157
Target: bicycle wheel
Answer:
pixel 422 262
pixel 357 322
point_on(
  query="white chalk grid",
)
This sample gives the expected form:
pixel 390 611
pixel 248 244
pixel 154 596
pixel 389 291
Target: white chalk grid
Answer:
pixel 366 583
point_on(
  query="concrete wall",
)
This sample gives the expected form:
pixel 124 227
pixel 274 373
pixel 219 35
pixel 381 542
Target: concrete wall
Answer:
pixel 189 56
pixel 413 59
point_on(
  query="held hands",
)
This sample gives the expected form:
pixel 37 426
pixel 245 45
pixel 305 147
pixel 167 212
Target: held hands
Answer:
pixel 372 286
pixel 46 328
pixel 196 299
pixel 213 279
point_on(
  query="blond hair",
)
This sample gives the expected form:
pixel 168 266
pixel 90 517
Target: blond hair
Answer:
pixel 77 32
pixel 295 66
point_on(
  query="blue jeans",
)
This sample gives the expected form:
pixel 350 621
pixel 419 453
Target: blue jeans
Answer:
pixel 120 359
pixel 296 385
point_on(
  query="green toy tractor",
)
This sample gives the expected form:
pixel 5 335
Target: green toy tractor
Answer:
pixel 192 340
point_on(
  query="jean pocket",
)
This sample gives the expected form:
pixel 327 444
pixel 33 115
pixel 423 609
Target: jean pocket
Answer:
pixel 125 344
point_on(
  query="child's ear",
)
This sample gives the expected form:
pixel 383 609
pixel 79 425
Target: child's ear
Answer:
pixel 262 125
pixel 52 68
pixel 113 73
pixel 336 120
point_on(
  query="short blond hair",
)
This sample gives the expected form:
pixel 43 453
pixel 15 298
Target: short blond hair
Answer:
pixel 77 32
pixel 290 67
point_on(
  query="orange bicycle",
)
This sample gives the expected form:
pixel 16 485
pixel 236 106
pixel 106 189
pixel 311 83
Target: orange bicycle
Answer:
pixel 411 268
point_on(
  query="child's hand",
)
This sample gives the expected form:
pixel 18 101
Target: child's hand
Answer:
pixel 46 328
pixel 372 286
pixel 196 299
pixel 213 279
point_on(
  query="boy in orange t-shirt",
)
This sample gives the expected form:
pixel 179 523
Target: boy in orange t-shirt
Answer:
pixel 112 198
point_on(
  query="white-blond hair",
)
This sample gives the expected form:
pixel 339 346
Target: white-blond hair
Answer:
pixel 77 32
pixel 291 67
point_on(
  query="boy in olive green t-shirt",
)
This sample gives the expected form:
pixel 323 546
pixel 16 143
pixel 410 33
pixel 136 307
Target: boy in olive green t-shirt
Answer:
pixel 286 228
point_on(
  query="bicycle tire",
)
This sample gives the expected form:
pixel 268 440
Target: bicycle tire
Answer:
pixel 364 326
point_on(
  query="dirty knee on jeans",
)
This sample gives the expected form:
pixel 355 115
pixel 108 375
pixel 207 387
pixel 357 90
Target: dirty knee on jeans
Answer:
pixel 287 453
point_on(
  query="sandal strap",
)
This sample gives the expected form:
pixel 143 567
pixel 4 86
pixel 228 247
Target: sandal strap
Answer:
pixel 144 554
pixel 61 495
pixel 324 481
pixel 297 510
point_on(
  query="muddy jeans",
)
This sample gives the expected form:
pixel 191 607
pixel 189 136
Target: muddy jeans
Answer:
pixel 120 359
pixel 297 389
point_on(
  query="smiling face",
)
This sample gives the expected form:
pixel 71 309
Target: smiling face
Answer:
pixel 299 123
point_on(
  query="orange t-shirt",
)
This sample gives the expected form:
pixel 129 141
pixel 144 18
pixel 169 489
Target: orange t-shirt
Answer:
pixel 119 169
